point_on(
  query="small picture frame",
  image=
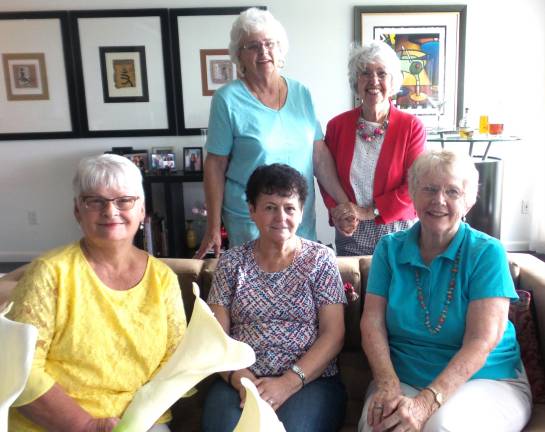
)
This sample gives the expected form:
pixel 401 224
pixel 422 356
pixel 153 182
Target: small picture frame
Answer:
pixel 217 69
pixel 140 158
pixel 162 150
pixel 193 159
pixel 163 161
pixel 124 74
pixel 25 76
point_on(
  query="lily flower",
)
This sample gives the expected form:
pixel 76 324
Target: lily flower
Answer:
pixel 205 349
pixel 15 361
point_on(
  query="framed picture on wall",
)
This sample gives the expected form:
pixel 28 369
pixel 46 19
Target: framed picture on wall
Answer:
pixel 200 57
pixel 25 76
pixel 36 82
pixel 217 69
pixel 124 72
pixel 430 43
pixel 193 159
pixel 124 76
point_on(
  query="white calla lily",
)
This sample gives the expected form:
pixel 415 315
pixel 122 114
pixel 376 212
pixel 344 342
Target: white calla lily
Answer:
pixel 257 415
pixel 204 350
pixel 19 343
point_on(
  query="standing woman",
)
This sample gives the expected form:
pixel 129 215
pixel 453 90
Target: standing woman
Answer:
pixel 259 119
pixel 373 147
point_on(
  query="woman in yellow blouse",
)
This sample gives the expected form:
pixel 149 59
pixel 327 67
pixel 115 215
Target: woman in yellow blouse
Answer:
pixel 108 314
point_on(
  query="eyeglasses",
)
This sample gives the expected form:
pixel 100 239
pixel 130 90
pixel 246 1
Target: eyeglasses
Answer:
pixel 267 44
pixel 367 75
pixel 451 192
pixel 97 203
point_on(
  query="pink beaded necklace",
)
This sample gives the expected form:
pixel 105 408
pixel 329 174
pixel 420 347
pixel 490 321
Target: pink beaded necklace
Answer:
pixel 368 132
pixel 448 300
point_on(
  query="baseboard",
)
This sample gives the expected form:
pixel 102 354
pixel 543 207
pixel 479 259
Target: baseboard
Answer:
pixel 18 256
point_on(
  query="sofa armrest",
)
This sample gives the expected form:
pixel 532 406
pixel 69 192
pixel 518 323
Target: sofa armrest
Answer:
pixel 532 278
pixel 8 282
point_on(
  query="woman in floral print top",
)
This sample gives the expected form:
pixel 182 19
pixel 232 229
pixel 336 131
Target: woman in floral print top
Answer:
pixel 283 296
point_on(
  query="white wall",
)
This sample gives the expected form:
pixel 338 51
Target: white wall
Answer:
pixel 505 51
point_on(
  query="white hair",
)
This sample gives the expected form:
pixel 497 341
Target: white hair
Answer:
pixel 374 52
pixel 107 171
pixel 453 163
pixel 255 20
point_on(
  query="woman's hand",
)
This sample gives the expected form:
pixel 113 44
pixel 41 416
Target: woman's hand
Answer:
pixel 384 402
pixel 411 415
pixel 210 240
pixel 277 390
pixel 100 424
pixel 345 218
pixel 235 382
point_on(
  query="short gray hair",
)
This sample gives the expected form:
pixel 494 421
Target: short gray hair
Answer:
pixel 454 163
pixel 107 171
pixel 374 52
pixel 255 20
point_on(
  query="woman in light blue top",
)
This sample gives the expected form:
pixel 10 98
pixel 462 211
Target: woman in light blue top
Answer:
pixel 260 119
pixel 434 328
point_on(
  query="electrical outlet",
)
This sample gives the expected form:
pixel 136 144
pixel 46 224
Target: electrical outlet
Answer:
pixel 32 217
pixel 524 207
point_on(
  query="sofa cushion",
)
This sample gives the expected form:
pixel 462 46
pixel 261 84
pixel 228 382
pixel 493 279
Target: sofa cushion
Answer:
pixel 522 317
pixel 350 273
pixel 188 271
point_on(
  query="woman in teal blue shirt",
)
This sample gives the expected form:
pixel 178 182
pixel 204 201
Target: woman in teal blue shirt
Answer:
pixel 434 328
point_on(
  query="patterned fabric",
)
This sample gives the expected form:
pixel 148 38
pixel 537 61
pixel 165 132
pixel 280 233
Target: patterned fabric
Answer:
pixel 366 237
pixel 277 313
pixel 98 344
pixel 520 314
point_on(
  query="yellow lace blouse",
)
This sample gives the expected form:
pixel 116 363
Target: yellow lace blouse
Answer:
pixel 99 344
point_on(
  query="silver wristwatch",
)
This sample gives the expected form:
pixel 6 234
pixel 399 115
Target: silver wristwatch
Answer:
pixel 376 212
pixel 296 369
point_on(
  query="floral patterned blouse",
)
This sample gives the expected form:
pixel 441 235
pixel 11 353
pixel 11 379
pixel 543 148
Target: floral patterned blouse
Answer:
pixel 277 313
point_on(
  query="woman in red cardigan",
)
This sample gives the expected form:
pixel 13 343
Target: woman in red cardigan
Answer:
pixel 373 147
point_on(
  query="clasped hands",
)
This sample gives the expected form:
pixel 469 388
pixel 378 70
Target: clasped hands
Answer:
pixel 391 411
pixel 347 216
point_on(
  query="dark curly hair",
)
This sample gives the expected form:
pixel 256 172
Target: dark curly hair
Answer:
pixel 278 179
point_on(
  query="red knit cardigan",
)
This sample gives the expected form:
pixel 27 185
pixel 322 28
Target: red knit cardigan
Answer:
pixel 404 140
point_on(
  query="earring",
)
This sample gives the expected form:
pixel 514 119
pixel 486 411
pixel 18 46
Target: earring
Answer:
pixel 141 225
pixel 464 218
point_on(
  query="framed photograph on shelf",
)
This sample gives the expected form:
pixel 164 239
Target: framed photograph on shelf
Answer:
pixel 163 161
pixel 124 70
pixel 25 76
pixel 140 158
pixel 193 159
pixel 162 150
pixel 430 42
pixel 200 57
pixel 36 79
pixel 124 76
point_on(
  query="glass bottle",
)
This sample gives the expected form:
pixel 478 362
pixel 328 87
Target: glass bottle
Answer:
pixel 464 127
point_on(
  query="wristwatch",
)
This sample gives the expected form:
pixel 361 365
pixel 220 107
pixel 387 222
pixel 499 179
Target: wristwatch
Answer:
pixel 437 395
pixel 375 211
pixel 296 369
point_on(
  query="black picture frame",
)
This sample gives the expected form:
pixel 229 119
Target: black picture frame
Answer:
pixel 140 158
pixel 449 21
pixel 193 160
pixel 140 27
pixel 192 106
pixel 116 81
pixel 58 114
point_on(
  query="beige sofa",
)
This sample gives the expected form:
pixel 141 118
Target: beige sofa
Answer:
pixel 528 272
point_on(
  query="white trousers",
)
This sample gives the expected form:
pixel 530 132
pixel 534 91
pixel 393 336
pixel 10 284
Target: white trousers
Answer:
pixel 478 405
pixel 159 428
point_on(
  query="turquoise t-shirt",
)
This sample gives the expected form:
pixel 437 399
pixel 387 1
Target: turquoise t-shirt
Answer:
pixel 418 355
pixel 252 134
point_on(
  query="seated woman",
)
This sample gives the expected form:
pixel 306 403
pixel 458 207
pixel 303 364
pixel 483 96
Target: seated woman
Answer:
pixel 282 295
pixel 435 330
pixel 108 314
